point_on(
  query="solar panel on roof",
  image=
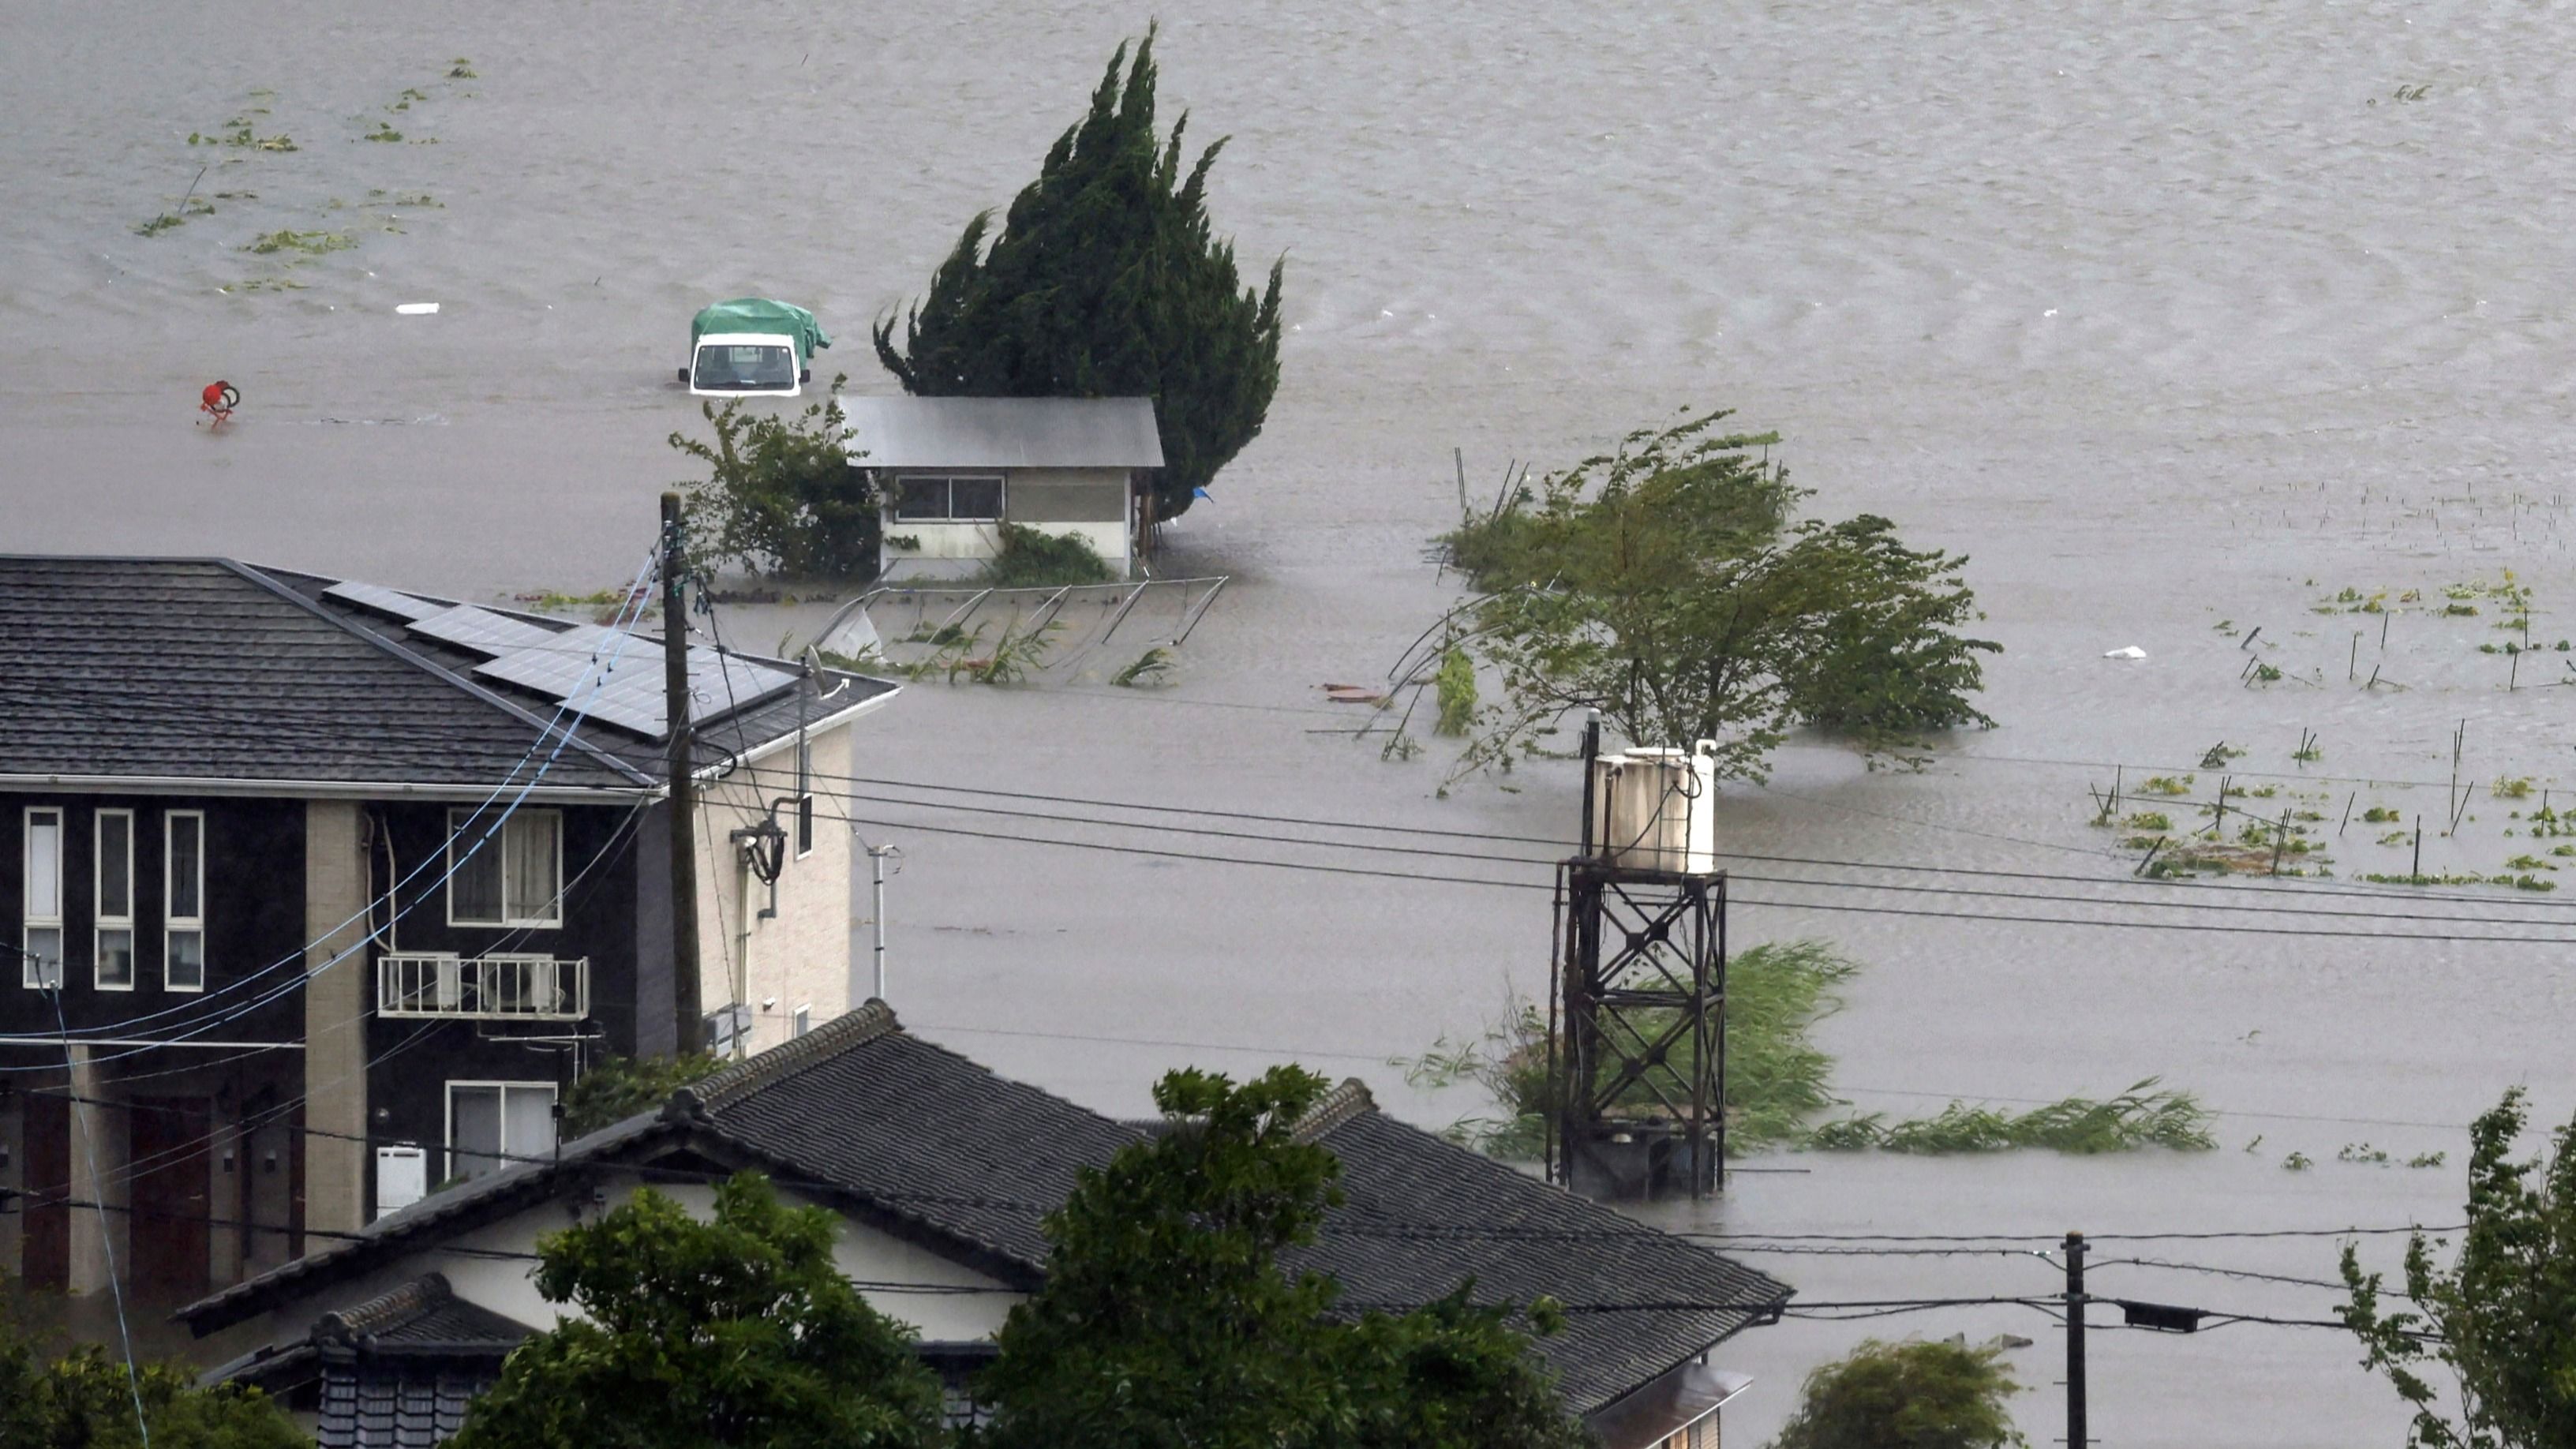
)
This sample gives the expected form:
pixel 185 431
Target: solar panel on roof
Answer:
pixel 480 630
pixel 383 600
pixel 621 683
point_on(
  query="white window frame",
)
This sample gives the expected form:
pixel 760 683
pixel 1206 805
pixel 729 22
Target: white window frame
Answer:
pixel 447 1137
pixel 101 923
pixel 459 820
pixel 801 1020
pixel 948 484
pixel 31 972
pixel 171 923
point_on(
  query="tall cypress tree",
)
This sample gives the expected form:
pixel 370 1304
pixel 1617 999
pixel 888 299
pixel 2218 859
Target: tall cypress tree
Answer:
pixel 1106 281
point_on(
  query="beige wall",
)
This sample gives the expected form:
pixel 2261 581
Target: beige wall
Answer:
pixel 336 998
pixel 800 957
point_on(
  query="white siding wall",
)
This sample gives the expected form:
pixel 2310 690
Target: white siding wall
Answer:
pixel 507 1286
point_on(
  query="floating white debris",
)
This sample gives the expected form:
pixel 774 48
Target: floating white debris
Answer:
pixel 2132 652
pixel 417 309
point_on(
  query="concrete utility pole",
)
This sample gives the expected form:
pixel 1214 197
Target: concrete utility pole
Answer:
pixel 2075 1341
pixel 687 1004
pixel 876 860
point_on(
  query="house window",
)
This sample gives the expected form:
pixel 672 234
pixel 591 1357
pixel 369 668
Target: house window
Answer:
pixel 804 1020
pixel 183 900
pixel 493 1124
pixel 973 498
pixel 42 940
pixel 115 899
pixel 514 878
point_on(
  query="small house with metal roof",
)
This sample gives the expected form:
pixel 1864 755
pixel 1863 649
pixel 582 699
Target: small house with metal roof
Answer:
pixel 316 893
pixel 950 472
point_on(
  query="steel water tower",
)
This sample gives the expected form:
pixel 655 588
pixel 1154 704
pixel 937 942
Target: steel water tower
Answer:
pixel 1637 1045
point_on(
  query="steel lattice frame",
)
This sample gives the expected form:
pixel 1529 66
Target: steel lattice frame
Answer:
pixel 1642 1038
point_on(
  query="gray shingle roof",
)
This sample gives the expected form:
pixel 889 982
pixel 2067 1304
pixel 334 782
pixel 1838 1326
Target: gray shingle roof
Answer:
pixel 1003 432
pixel 397 1403
pixel 211 670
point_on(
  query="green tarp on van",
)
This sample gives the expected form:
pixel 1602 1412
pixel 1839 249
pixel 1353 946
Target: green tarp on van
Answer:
pixel 759 314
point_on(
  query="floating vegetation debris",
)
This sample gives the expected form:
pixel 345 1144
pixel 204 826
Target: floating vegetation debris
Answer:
pixel 384 131
pixel 1149 669
pixel 2379 814
pixel 1455 685
pixel 2142 1116
pixel 308 243
pixel 2297 1162
pixel 2167 785
pixel 2523 882
pixel 461 69
pixel 157 225
pixel 1779 1081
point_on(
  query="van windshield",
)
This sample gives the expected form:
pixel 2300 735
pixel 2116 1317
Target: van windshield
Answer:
pixel 732 368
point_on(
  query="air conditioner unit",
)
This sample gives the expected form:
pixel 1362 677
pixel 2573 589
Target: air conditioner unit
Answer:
pixel 1656 810
pixel 402 1178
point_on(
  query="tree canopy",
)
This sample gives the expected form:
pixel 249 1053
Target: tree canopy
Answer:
pixel 781 495
pixel 1167 1319
pixel 1906 1396
pixel 2501 1317
pixel 1669 585
pixel 86 1400
pixel 740 1331
pixel 1106 280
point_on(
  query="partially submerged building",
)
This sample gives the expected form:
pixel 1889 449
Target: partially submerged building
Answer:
pixel 315 893
pixel 951 471
pixel 941 1171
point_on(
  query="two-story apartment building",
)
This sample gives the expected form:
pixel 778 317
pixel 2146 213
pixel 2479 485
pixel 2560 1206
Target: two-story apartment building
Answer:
pixel 316 894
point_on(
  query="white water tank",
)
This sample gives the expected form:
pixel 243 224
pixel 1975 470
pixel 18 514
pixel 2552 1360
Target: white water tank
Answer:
pixel 402 1178
pixel 1657 809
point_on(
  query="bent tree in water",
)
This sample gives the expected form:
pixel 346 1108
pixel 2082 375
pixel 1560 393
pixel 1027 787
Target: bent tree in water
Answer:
pixel 1669 586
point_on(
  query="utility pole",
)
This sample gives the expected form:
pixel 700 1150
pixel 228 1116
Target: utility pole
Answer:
pixel 876 861
pixel 686 1002
pixel 2075 1341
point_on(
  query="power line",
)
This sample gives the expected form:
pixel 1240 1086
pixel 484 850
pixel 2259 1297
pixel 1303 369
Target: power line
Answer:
pixel 1738 898
pixel 2121 881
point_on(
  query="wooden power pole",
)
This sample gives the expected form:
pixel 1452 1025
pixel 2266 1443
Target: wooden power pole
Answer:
pixel 686 1004
pixel 2075 1301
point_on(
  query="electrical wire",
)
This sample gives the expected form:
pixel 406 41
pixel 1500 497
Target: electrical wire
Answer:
pixel 2196 927
pixel 2125 882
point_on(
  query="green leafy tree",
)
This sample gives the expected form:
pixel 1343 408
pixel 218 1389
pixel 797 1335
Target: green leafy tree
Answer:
pixel 2501 1317
pixel 1669 586
pixel 1906 1396
pixel 1107 280
pixel 619 1087
pixel 782 496
pixel 85 1400
pixel 738 1332
pixel 1168 1321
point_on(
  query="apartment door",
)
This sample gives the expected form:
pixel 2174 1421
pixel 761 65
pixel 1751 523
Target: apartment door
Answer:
pixel 171 1191
pixel 46 1254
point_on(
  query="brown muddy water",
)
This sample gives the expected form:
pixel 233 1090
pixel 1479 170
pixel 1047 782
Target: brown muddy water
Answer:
pixel 2169 314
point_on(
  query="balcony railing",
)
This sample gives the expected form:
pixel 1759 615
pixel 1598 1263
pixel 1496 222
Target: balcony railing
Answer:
pixel 491 988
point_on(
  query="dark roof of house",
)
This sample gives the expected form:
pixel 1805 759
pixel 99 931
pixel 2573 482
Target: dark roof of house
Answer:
pixel 192 669
pixel 1420 1217
pixel 926 1144
pixel 1003 432
pixel 398 1404
pixel 423 1316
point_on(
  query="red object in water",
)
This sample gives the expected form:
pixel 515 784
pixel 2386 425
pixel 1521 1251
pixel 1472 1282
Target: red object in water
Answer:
pixel 219 400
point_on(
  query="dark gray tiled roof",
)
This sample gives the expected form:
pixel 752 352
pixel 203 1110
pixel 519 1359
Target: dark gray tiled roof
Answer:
pixel 422 1316
pixel 930 1144
pixel 1423 1217
pixel 929 1137
pixel 207 669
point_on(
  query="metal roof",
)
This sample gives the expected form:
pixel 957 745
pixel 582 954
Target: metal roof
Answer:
pixel 1003 432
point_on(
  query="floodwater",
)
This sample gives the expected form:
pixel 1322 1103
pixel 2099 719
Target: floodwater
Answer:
pixel 2167 313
